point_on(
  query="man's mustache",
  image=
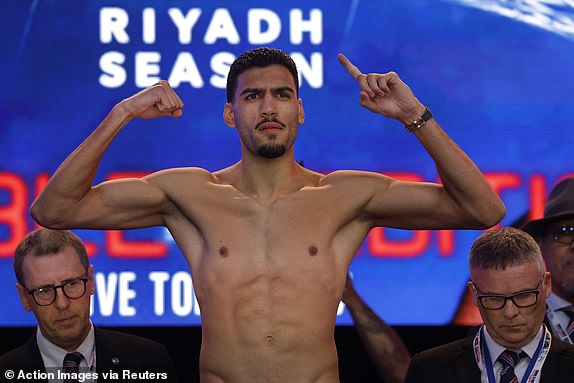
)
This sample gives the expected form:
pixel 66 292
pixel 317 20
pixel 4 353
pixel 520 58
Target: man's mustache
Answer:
pixel 270 119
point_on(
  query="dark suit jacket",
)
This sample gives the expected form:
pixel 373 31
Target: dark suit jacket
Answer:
pixel 454 363
pixel 115 351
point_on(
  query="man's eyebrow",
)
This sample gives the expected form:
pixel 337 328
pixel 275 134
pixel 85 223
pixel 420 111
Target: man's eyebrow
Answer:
pixel 251 90
pixel 44 286
pixel 62 282
pixel 261 90
pixel 284 89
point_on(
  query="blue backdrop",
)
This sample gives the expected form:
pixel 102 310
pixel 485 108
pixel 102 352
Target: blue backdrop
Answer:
pixel 496 74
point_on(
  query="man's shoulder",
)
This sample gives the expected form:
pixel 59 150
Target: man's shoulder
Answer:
pixel 564 349
pixel 22 355
pixel 447 362
pixel 14 355
pixel 123 339
pixel 447 351
pixel 121 351
pixel 181 173
pixel 353 176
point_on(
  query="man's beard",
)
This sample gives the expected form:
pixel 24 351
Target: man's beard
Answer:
pixel 271 151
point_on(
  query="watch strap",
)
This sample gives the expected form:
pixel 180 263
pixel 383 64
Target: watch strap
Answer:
pixel 419 122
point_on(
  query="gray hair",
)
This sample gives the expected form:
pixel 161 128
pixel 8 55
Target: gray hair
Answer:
pixel 503 247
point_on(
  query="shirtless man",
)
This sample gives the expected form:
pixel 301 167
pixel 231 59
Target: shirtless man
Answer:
pixel 268 242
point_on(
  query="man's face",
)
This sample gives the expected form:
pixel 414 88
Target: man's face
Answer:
pixel 559 258
pixel 66 321
pixel 512 326
pixel 266 111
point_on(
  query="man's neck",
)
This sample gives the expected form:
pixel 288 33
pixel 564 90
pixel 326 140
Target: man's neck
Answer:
pixel 264 177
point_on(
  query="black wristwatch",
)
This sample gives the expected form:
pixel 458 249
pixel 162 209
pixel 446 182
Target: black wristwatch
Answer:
pixel 419 122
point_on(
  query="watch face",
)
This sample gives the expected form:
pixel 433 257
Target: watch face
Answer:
pixel 427 115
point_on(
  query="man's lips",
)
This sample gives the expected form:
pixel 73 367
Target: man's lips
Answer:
pixel 270 124
pixel 515 327
pixel 66 320
pixel 270 128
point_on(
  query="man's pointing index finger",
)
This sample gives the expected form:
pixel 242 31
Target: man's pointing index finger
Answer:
pixel 348 65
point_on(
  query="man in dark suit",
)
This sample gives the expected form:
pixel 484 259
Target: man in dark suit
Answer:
pixel 56 282
pixel 554 233
pixel 509 284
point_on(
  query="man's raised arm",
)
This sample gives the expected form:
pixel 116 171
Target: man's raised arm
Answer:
pixel 70 201
pixel 464 200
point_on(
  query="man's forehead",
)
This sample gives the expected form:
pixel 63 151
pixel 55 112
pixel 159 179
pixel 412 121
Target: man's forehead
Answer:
pixel 511 275
pixel 273 76
pixel 52 268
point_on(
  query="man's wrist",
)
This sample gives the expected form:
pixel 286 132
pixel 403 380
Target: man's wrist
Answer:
pixel 122 111
pixel 419 122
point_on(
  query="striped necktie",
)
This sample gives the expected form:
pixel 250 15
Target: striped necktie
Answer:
pixel 508 359
pixel 71 366
pixel 570 312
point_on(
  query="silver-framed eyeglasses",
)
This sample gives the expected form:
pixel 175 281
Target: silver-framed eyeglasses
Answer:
pixel 73 289
pixel 564 234
pixel 521 299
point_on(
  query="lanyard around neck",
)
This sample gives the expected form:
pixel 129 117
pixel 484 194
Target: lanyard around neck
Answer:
pixel 482 357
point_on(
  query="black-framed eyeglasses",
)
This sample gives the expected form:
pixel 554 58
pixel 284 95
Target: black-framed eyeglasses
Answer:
pixel 73 289
pixel 522 299
pixel 564 234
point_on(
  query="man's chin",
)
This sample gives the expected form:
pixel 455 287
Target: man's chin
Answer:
pixel 515 336
pixel 271 151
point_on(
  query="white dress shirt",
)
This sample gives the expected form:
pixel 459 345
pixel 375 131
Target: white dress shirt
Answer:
pixel 495 350
pixel 53 356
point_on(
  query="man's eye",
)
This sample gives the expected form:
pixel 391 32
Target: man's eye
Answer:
pixel 251 96
pixel 44 291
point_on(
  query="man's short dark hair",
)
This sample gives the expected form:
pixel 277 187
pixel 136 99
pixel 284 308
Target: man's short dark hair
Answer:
pixel 259 58
pixel 503 247
pixel 42 242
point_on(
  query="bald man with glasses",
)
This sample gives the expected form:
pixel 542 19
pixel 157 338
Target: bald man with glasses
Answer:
pixel 55 283
pixel 509 284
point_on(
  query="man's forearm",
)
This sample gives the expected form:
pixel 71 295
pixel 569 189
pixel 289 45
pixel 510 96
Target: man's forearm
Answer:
pixel 461 178
pixel 74 178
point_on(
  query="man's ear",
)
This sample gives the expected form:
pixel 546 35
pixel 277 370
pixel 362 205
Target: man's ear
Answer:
pixel 23 297
pixel 228 115
pixel 90 285
pixel 301 111
pixel 472 292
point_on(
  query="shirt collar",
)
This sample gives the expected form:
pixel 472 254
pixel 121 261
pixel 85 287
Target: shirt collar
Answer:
pixel 53 356
pixel 494 349
pixel 555 302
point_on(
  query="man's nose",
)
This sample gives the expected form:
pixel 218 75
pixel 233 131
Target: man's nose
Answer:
pixel 510 310
pixel 62 301
pixel 268 106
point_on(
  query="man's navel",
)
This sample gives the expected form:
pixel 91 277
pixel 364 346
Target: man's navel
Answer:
pixel 223 251
pixel 269 340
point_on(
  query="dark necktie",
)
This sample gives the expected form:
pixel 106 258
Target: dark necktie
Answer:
pixel 71 365
pixel 508 359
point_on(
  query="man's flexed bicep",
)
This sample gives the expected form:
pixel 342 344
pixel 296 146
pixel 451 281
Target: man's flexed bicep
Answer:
pixel 415 205
pixel 127 203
